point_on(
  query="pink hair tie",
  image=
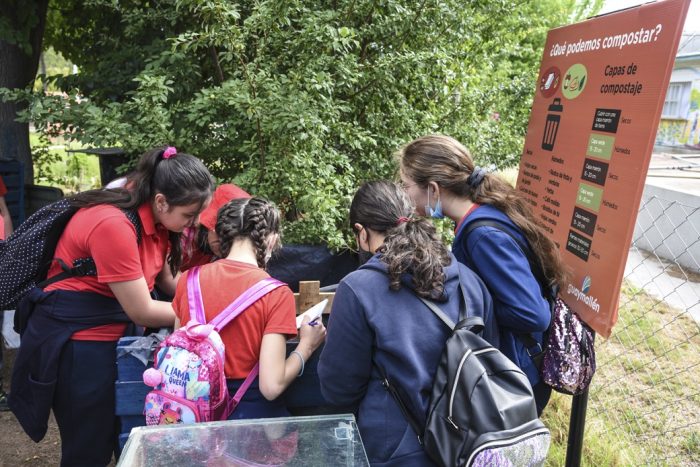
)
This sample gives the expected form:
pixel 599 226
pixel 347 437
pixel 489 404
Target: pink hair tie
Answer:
pixel 169 152
pixel 402 220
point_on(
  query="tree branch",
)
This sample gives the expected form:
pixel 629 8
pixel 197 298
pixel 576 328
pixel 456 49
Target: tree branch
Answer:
pixel 217 64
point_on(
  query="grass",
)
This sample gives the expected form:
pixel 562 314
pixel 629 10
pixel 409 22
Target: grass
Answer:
pixel 72 172
pixel 644 402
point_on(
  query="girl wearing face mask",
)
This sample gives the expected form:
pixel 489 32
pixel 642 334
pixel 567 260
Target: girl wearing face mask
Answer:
pixel 378 319
pixel 249 232
pixel 439 175
pixel 66 361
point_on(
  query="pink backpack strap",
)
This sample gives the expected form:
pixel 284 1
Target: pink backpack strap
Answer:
pixel 244 301
pixel 239 305
pixel 236 399
pixel 228 314
pixel 194 296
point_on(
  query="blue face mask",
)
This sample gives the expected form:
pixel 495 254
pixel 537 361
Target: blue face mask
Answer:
pixel 434 213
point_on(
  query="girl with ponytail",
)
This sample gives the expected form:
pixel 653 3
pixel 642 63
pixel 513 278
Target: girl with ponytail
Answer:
pixel 439 175
pixel 248 231
pixel 378 319
pixel 131 236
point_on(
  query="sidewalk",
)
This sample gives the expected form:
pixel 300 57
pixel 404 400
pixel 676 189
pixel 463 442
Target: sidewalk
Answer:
pixel 679 289
pixel 677 172
pixel 675 169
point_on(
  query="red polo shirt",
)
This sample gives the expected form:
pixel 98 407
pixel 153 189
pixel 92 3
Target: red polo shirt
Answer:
pixel 104 234
pixel 221 283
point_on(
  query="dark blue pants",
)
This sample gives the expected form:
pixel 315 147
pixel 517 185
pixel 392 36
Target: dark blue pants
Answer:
pixel 84 403
pixel 542 393
pixel 254 404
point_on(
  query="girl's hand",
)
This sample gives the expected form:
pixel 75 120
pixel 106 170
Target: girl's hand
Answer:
pixel 311 335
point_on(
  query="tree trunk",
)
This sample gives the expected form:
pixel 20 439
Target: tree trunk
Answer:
pixel 19 60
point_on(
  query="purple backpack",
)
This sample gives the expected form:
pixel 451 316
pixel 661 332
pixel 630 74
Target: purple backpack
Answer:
pixel 566 362
pixel 188 372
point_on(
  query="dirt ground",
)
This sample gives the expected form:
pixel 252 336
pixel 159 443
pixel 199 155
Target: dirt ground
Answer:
pixel 16 448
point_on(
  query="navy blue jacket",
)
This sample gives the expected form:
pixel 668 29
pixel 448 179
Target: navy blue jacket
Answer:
pixel 518 300
pixel 371 324
pixel 55 316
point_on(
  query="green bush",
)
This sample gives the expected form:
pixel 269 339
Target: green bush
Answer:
pixel 298 101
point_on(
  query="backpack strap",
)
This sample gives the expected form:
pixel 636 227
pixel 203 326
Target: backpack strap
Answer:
pixel 243 302
pixel 236 399
pixel 228 314
pixel 438 312
pixel 235 308
pixel 194 296
pixel 463 320
pixel 135 219
pixel 82 267
pixel 86 266
pixel 532 346
pixel 393 391
pixel 474 323
pixel 239 305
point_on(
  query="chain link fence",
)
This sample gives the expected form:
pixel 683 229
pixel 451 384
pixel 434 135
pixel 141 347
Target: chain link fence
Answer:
pixel 645 397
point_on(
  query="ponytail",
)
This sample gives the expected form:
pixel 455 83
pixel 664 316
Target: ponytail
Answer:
pixel 411 245
pixel 447 162
pixel 181 178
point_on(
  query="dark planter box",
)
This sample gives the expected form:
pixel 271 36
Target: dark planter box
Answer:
pixel 296 263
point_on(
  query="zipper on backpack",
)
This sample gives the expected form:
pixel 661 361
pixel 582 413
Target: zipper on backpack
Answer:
pixel 459 371
pixel 449 419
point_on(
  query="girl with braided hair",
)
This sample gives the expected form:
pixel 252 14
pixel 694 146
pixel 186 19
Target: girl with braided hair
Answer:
pixel 379 321
pixel 441 178
pixel 249 232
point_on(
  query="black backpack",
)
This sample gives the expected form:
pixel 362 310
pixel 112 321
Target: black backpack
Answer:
pixel 27 254
pixel 482 409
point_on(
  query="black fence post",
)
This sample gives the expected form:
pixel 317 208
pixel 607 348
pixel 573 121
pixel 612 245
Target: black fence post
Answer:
pixel 577 425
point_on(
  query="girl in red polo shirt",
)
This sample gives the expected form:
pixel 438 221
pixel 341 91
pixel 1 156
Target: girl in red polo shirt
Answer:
pixel 200 243
pixel 68 352
pixel 249 231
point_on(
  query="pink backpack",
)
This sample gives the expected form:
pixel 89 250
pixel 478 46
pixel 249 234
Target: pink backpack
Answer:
pixel 188 372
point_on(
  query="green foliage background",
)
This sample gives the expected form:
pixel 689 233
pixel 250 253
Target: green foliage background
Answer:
pixel 298 101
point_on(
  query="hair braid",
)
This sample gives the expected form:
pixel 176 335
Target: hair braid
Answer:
pixel 254 218
pixel 228 226
pixel 259 230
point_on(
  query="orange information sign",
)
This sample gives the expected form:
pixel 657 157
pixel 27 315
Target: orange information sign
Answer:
pixel 596 109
